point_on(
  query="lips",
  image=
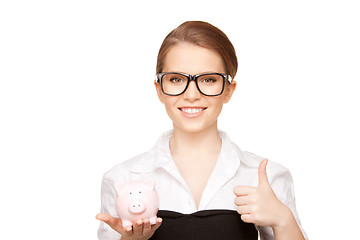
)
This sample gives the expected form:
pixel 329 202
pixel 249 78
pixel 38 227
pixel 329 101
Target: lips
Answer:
pixel 192 111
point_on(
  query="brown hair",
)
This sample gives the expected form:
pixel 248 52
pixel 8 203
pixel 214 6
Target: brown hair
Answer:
pixel 202 34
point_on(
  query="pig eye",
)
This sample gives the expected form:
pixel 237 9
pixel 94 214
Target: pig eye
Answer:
pixel 140 192
pixel 130 192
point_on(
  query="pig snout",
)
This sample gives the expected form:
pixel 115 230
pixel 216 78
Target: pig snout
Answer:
pixel 137 207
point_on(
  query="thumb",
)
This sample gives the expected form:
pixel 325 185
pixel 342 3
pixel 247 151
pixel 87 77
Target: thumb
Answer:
pixel 263 180
pixel 111 221
pixel 103 217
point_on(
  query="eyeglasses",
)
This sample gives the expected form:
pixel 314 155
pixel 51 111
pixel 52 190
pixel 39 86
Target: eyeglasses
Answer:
pixel 209 84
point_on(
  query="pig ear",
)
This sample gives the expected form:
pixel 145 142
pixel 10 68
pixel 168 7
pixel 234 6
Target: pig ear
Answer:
pixel 119 187
pixel 150 183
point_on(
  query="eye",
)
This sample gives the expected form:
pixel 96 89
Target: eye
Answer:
pixel 176 80
pixel 130 192
pixel 140 192
pixel 208 80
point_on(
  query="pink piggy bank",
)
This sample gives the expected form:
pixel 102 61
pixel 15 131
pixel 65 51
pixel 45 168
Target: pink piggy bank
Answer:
pixel 136 200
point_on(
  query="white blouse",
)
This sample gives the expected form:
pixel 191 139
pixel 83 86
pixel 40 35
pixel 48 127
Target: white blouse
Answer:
pixel 234 167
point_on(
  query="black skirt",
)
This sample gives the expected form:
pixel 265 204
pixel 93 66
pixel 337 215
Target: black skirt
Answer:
pixel 207 224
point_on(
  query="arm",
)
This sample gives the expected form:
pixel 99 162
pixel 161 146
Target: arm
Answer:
pixel 260 206
pixel 111 227
pixel 287 228
pixel 141 230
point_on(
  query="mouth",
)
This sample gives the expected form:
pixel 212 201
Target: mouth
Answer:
pixel 192 111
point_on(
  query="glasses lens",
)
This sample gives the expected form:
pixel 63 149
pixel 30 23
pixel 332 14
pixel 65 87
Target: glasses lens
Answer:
pixel 210 84
pixel 174 83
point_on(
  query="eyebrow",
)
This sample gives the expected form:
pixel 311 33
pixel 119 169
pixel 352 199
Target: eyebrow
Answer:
pixel 195 73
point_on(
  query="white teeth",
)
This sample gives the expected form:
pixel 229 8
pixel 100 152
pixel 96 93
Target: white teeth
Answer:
pixel 192 110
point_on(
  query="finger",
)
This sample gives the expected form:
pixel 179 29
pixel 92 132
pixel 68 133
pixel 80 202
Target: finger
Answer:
pixel 243 190
pixel 240 201
pixel 128 231
pixel 147 227
pixel 247 218
pixel 114 223
pixel 137 227
pixel 243 210
pixel 104 217
pixel 156 225
pixel 263 180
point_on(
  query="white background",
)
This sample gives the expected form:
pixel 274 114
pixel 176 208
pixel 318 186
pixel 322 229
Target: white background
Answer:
pixel 77 97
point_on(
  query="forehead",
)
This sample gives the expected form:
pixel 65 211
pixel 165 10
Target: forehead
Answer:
pixel 192 59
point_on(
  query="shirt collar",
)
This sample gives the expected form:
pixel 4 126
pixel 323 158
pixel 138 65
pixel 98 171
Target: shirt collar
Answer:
pixel 159 156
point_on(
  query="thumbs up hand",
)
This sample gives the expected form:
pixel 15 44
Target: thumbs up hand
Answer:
pixel 259 205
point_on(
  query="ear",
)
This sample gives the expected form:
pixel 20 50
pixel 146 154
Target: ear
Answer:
pixel 119 187
pixel 229 90
pixel 159 91
pixel 149 183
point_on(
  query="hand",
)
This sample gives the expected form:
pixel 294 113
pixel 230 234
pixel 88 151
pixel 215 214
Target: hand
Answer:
pixel 259 205
pixel 141 230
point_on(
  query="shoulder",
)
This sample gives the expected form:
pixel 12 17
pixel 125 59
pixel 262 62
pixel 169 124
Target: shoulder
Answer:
pixel 254 160
pixel 249 163
pixel 251 160
pixel 121 171
pixel 143 163
pixel 275 171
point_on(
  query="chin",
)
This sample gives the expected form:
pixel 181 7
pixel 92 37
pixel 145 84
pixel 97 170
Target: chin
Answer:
pixel 194 128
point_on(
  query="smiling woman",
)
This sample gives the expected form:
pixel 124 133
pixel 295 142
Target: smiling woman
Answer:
pixel 190 100
pixel 208 188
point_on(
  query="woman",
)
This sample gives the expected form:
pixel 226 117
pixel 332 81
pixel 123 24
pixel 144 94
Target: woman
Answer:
pixel 208 187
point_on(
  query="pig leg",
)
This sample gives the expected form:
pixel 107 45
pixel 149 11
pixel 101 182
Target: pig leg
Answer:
pixel 153 220
pixel 126 223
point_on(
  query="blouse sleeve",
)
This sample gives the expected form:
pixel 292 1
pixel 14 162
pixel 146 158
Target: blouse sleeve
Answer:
pixel 107 206
pixel 282 183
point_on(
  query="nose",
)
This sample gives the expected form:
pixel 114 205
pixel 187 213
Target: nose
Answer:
pixel 137 207
pixel 192 92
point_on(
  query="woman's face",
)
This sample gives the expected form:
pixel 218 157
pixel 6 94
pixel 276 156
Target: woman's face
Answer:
pixel 193 111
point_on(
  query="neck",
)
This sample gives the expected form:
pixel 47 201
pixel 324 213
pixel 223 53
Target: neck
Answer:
pixel 202 142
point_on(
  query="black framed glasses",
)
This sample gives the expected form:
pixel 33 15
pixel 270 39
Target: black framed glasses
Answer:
pixel 208 84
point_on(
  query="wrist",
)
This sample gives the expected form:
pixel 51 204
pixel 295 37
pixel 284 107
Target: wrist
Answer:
pixel 286 219
pixel 287 228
